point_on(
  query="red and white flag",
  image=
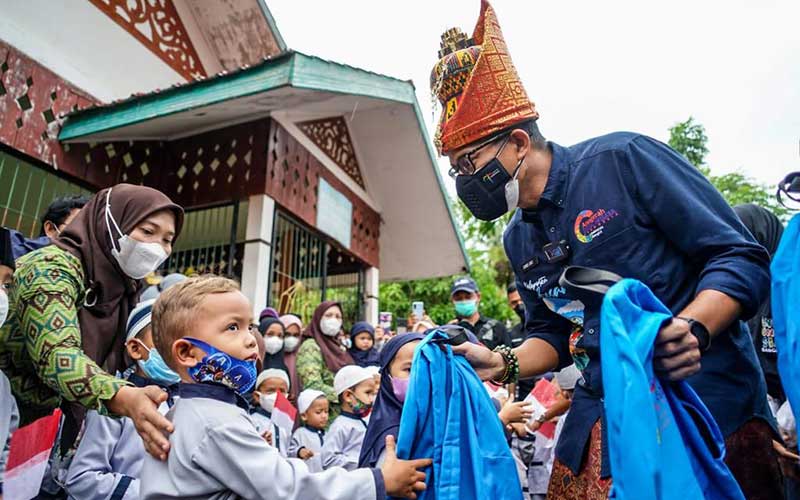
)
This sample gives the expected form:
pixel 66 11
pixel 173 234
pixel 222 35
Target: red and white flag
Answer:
pixel 27 457
pixel 542 397
pixel 283 413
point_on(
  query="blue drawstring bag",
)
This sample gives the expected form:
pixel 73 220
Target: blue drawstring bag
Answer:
pixel 448 416
pixel 785 320
pixel 663 442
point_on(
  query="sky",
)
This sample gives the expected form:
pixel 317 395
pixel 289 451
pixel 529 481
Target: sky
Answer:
pixel 597 67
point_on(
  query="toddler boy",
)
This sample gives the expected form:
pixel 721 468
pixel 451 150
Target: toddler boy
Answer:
pixel 308 439
pixel 204 328
pixel 268 384
pixel 355 387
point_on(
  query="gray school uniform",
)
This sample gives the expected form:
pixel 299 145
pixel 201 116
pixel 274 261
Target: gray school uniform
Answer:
pixel 9 421
pixel 280 437
pixel 108 461
pixel 343 442
pixel 311 439
pixel 216 453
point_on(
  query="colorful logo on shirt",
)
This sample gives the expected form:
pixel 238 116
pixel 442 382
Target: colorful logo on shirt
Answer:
pixel 767 336
pixel 590 224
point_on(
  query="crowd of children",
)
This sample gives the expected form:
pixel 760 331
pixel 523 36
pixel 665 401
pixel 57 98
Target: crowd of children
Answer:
pixel 197 342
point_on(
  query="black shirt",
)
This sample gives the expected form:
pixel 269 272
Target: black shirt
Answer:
pixel 489 335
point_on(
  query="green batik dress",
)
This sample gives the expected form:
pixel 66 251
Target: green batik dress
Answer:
pixel 40 343
pixel 314 374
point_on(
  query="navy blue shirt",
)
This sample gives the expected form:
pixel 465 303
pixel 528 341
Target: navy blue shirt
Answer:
pixel 629 204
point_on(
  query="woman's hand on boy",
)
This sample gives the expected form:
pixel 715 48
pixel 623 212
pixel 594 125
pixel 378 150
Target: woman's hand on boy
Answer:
pixel 140 404
pixel 401 477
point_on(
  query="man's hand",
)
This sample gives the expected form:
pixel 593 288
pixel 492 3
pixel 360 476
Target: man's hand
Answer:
pixel 515 412
pixel 401 477
pixel 488 365
pixel 677 353
pixel 305 453
pixel 140 404
pixel 267 437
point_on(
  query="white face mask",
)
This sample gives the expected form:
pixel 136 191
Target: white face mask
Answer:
pixel 136 259
pixel 267 401
pixel 291 343
pixel 330 326
pixel 273 344
pixel 3 307
pixel 512 190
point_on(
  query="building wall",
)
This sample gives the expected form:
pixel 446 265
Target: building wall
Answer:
pixel 76 41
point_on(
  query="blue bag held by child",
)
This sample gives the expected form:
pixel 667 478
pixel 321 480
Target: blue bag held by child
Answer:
pixel 785 320
pixel 449 417
pixel 663 442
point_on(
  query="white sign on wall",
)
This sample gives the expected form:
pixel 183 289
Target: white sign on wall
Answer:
pixel 334 213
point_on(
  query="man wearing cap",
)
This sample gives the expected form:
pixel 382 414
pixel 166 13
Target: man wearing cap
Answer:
pixel 623 203
pixel 466 299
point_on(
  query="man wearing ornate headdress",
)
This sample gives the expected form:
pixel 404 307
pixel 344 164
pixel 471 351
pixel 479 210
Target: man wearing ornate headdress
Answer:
pixel 624 203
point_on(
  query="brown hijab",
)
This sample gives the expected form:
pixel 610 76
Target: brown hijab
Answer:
pixel 110 294
pixel 332 352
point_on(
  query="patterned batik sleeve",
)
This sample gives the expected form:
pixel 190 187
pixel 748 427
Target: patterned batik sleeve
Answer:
pixel 48 315
pixel 312 370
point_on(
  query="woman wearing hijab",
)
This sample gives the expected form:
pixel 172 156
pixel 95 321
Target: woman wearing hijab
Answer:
pixel 388 407
pixel 65 336
pixel 321 355
pixel 291 342
pixel 273 331
pixel 767 229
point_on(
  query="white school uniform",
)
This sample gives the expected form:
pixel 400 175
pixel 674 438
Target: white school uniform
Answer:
pixel 217 454
pixel 343 442
pixel 108 461
pixel 280 436
pixel 310 439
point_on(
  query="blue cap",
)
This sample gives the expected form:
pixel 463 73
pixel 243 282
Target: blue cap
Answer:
pixel 360 327
pixel 464 284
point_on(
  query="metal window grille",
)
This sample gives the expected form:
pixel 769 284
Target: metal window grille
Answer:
pixel 211 242
pixel 306 269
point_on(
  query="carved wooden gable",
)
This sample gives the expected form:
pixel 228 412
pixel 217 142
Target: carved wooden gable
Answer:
pixel 333 138
pixel 156 24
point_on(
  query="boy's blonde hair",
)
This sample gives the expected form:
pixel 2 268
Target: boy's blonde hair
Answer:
pixel 175 307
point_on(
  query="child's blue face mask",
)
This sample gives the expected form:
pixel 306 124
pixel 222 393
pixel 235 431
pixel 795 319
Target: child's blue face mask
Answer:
pixel 221 368
pixel 156 369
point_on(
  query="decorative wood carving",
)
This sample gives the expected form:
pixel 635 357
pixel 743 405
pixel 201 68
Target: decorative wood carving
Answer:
pixel 293 175
pixel 333 138
pixel 157 25
pixel 32 98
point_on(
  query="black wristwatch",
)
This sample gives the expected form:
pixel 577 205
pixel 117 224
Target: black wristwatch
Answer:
pixel 700 332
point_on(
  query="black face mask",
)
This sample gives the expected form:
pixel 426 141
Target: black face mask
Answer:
pixel 520 310
pixel 484 192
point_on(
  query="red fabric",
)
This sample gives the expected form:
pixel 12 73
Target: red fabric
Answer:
pixel 35 438
pixel 587 485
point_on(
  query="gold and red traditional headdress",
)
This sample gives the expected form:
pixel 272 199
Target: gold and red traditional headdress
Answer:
pixel 477 85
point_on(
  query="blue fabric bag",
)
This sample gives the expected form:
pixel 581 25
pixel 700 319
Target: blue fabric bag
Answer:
pixel 663 443
pixel 785 320
pixel 448 416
